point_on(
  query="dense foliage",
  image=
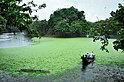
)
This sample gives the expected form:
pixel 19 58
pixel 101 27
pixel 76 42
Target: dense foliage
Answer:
pixel 15 13
pixel 119 16
pixel 114 26
pixel 67 22
pixel 41 26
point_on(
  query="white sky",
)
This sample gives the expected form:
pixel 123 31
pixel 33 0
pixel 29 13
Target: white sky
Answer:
pixel 93 9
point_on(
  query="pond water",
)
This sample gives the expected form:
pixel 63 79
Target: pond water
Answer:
pixel 9 40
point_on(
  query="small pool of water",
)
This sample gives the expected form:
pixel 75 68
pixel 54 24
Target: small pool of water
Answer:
pixel 9 40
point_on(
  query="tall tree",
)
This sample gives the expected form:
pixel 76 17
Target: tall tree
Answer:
pixel 16 13
pixel 112 26
pixel 66 22
pixel 41 26
pixel 118 15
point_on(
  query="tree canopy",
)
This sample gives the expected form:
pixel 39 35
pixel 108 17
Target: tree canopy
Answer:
pixel 15 13
pixel 67 22
pixel 111 26
pixel 118 15
pixel 41 26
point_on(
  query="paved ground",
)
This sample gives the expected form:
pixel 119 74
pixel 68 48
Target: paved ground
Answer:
pixel 93 73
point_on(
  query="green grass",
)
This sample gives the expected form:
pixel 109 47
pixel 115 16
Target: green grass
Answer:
pixel 56 55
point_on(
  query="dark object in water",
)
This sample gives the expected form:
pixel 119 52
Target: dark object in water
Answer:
pixel 32 70
pixel 86 61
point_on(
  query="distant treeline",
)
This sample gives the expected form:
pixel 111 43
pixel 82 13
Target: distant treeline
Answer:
pixel 69 22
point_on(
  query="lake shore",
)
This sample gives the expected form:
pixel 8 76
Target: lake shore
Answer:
pixel 93 73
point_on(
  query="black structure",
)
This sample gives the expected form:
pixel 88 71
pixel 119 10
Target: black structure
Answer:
pixel 87 60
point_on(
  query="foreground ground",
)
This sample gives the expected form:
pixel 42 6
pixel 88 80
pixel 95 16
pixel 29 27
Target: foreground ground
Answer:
pixel 93 73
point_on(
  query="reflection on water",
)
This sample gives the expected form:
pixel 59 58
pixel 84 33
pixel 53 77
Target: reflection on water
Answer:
pixel 8 40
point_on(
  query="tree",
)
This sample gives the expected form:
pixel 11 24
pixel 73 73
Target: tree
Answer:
pixel 2 24
pixel 41 26
pixel 80 28
pixel 118 15
pixel 112 26
pixel 103 30
pixel 62 29
pixel 18 14
pixel 67 22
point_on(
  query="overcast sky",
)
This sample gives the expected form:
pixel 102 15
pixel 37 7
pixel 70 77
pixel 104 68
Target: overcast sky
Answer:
pixel 94 9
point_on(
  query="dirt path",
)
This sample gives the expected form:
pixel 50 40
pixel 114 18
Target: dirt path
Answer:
pixel 93 73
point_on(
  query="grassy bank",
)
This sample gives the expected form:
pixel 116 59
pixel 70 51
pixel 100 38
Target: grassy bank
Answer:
pixel 56 55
